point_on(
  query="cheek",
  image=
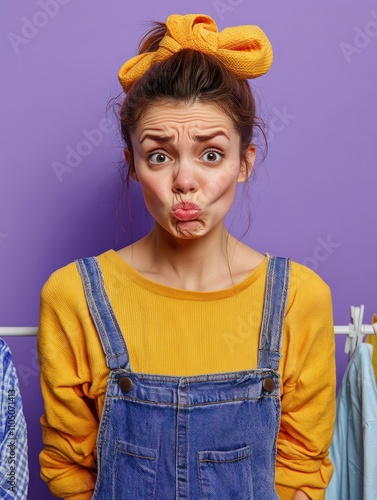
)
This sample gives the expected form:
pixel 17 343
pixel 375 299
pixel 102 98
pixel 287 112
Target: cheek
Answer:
pixel 219 185
pixel 154 194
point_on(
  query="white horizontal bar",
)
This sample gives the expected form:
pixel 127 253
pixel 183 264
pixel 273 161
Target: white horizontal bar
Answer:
pixel 31 331
pixel 18 331
pixel 365 330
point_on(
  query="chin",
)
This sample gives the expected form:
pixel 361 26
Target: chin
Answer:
pixel 185 235
pixel 182 231
pixel 190 230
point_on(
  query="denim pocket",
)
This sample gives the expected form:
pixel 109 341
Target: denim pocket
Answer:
pixel 135 471
pixel 225 474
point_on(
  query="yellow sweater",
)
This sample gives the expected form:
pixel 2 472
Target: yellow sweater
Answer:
pixel 181 332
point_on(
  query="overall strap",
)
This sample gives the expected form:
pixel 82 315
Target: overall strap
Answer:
pixel 111 337
pixel 275 302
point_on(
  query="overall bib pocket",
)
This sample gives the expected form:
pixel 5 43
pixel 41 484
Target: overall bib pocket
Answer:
pixel 225 474
pixel 135 471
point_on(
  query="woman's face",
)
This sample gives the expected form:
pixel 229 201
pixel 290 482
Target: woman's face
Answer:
pixel 187 161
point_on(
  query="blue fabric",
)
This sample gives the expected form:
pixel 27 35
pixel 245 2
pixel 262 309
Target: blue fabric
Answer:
pixel 353 449
pixel 206 437
pixel 14 471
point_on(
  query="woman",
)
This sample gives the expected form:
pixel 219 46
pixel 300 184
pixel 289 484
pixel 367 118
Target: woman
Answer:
pixel 188 365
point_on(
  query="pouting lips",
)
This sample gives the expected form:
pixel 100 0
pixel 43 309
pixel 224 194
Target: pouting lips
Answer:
pixel 186 214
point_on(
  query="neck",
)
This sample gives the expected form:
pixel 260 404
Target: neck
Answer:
pixel 190 263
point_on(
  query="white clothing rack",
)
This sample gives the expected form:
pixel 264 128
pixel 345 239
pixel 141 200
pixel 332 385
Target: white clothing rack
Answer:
pixel 355 330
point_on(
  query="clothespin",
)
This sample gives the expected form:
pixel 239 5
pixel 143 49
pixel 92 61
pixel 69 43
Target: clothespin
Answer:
pixel 355 335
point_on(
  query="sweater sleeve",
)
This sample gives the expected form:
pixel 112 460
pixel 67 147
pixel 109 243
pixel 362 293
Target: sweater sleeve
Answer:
pixel 309 381
pixel 70 422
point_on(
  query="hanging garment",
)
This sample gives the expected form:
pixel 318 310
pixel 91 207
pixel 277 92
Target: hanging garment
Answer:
pixel 372 339
pixel 353 450
pixel 14 471
pixel 197 437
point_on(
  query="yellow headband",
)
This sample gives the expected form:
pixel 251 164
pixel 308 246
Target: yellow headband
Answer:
pixel 244 50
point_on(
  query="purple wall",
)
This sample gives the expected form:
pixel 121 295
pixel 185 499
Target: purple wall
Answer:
pixel 313 200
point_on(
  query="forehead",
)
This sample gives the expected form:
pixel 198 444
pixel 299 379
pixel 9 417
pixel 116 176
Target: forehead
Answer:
pixel 201 115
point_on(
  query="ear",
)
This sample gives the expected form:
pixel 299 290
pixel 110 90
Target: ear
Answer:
pixel 130 163
pixel 247 166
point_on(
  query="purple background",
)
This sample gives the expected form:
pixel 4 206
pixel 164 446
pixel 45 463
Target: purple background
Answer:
pixel 318 182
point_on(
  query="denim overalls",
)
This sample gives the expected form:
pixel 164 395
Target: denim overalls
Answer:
pixel 207 437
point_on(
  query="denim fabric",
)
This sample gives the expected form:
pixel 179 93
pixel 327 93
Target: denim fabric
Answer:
pixel 201 437
pixel 14 467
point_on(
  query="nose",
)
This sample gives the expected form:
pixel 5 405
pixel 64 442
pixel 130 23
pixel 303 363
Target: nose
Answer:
pixel 185 179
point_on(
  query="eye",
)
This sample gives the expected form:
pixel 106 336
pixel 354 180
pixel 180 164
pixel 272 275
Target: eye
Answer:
pixel 211 156
pixel 159 157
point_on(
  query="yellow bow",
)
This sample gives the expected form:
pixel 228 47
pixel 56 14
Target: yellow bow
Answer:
pixel 244 50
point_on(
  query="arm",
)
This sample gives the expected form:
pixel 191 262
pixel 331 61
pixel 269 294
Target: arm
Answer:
pixel 300 495
pixel 81 496
pixel 69 424
pixel 308 401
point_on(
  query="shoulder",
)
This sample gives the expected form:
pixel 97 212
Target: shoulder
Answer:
pixel 63 309
pixel 304 280
pixel 64 288
pixel 307 290
pixel 62 284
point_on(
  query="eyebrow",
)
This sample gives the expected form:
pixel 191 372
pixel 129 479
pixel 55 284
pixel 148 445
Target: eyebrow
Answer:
pixel 197 137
